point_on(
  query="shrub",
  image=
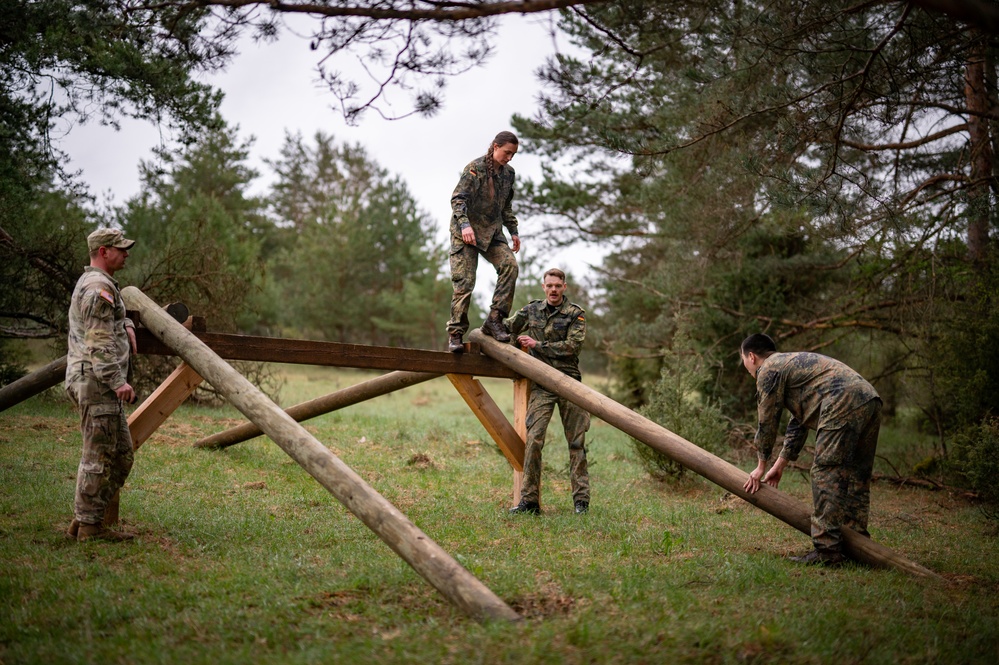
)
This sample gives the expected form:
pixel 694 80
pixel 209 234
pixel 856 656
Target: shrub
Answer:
pixel 677 403
pixel 976 459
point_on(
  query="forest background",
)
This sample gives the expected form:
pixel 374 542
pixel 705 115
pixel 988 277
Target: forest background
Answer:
pixel 824 172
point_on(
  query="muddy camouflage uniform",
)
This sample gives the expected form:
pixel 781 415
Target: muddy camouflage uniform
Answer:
pixel 97 364
pixel 472 206
pixel 560 331
pixel 825 395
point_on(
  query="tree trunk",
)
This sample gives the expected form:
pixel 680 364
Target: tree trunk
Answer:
pixel 980 155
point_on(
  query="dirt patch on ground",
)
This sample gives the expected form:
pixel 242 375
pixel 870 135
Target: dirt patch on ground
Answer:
pixel 421 461
pixel 548 600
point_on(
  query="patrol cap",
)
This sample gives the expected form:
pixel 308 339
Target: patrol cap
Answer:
pixel 105 237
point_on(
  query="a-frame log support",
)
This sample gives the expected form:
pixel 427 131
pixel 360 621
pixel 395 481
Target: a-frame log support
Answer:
pixel 360 392
pixel 715 469
pixel 409 542
pixel 152 413
pixel 491 416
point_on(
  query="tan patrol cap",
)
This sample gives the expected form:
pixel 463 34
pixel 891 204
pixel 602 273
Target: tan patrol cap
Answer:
pixel 105 237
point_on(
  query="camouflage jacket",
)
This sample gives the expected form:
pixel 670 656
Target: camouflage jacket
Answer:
pixel 97 360
pixel 560 334
pixel 471 205
pixel 819 392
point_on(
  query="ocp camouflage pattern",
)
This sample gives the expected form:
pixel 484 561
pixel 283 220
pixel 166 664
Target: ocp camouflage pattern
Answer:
pixel 97 357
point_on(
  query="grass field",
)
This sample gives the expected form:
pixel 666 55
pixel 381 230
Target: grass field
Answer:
pixel 243 558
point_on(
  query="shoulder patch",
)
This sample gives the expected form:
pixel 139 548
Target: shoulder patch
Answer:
pixel 472 171
pixel 107 296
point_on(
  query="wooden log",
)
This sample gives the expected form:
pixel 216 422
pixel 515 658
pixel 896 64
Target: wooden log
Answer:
pixel 152 413
pixel 365 390
pixel 491 416
pixel 334 354
pixel 30 385
pixel 715 469
pixel 398 532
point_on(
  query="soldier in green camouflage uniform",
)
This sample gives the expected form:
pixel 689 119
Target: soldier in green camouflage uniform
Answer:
pixel 100 339
pixel 553 330
pixel 845 410
pixel 481 208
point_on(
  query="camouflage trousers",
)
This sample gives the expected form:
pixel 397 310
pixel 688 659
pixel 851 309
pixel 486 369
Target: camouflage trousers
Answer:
pixel 106 460
pixel 464 263
pixel 841 477
pixel 575 421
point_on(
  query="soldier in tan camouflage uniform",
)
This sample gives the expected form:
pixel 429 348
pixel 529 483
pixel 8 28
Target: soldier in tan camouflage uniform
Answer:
pixel 481 208
pixel 553 330
pixel 100 340
pixel 845 410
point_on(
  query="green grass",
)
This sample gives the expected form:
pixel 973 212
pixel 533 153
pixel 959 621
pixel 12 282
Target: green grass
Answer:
pixel 243 557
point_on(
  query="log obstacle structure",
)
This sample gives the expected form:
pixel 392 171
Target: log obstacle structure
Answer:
pixel 398 532
pixel 715 469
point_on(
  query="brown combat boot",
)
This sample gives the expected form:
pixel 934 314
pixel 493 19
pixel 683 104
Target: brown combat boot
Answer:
pixel 73 530
pixel 87 532
pixel 454 343
pixel 495 328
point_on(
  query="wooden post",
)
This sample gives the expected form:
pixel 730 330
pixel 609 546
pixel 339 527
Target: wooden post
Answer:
pixel 342 398
pixel 31 384
pixel 409 542
pixel 491 417
pixel 152 413
pixel 713 468
pixel 521 393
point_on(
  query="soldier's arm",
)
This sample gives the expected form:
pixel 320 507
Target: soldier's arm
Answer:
pixel 794 439
pixel 467 188
pixel 509 219
pixel 518 321
pixel 99 339
pixel 770 395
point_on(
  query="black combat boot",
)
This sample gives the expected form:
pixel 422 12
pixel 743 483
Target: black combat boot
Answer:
pixel 821 558
pixel 495 328
pixel 526 507
pixel 454 343
pixel 582 507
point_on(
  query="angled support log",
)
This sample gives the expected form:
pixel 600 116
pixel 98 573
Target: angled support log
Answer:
pixel 409 542
pixel 152 413
pixel 30 385
pixel 491 417
pixel 715 469
pixel 365 390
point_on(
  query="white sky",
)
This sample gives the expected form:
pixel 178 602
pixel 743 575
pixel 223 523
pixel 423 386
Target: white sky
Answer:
pixel 272 88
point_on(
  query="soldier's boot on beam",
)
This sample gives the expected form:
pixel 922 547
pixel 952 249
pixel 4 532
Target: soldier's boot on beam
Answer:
pixel 495 328
pixel 454 343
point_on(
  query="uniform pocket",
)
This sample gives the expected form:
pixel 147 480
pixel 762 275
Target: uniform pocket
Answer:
pixel 91 475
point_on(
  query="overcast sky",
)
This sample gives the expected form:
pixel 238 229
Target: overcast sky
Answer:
pixel 271 89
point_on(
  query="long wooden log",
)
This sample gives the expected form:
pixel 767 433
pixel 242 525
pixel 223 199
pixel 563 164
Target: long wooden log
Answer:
pixel 409 542
pixel 715 469
pixel 31 384
pixel 365 390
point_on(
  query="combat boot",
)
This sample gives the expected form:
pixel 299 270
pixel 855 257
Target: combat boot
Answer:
pixel 831 559
pixel 454 343
pixel 73 530
pixel 526 507
pixel 582 507
pixel 495 328
pixel 87 532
